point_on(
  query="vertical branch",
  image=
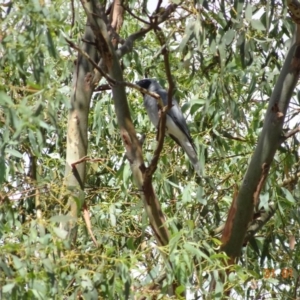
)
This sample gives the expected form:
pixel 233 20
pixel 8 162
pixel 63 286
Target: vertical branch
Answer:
pixel 116 19
pixel 33 175
pixel 83 85
pixel 165 53
pixel 269 141
pixel 82 89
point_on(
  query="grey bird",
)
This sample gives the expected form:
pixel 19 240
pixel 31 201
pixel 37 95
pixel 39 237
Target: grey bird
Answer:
pixel 176 126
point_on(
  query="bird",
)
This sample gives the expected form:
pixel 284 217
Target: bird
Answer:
pixel 176 126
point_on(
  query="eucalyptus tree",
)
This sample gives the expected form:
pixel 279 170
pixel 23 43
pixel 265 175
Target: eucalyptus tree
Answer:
pixel 96 202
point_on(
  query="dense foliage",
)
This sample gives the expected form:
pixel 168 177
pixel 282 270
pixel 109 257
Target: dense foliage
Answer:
pixel 225 59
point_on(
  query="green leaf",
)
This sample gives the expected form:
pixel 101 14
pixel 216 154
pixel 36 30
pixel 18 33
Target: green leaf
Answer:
pixel 6 269
pixel 199 196
pixel 179 290
pixel 19 265
pixel 264 199
pixel 61 233
pixel 188 32
pixel 33 142
pixel 229 36
pixel 62 219
pixel 130 243
pixel 238 5
pixel 219 285
pixel 17 262
pixel 8 287
pixel 112 215
pixel 288 195
pixel 222 52
pixel 50 44
pixel 13 152
pixel 5 100
pixel 91 294
pixel 37 294
pixel 273 281
pixel 195 251
pixel 248 12
pixel 219 256
pixel 231 277
pixel 173 184
pixel 186 195
pixel 2 170
pixel 258 25
pixel 126 173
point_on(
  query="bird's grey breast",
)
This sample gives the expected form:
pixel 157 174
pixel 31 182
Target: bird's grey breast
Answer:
pixel 150 104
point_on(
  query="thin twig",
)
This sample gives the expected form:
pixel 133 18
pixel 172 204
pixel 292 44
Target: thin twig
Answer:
pixel 128 45
pixel 86 214
pixel 165 54
pixel 134 16
pixel 111 80
pixel 103 87
pixel 73 15
pixel 158 7
pixel 258 223
pixel 82 52
pixel 296 287
pixel 292 132
pixel 163 110
pixel 86 158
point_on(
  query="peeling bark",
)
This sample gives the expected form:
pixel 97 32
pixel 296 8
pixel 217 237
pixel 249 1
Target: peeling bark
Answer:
pixel 77 143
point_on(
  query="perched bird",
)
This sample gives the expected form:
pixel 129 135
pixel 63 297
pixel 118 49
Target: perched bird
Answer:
pixel 176 126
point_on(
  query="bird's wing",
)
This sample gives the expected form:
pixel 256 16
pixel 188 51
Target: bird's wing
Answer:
pixel 176 114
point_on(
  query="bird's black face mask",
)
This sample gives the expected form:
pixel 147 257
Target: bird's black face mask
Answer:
pixel 144 83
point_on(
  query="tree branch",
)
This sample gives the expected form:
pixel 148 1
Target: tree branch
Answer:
pixel 128 45
pixel 135 16
pixel 82 90
pixel 294 10
pixel 258 223
pixel 291 133
pixel 95 65
pixel 163 110
pixel 159 2
pixel 268 143
pixel 112 81
pixel 128 134
pixel 115 23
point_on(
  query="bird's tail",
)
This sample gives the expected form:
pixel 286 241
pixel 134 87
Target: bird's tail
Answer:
pixel 192 154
